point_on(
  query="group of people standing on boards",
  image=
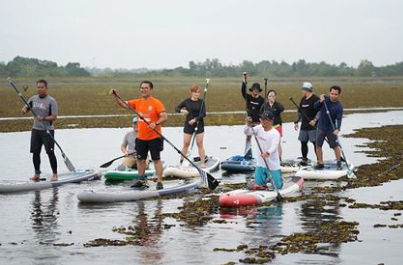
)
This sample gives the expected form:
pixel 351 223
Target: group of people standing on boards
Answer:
pixel 320 119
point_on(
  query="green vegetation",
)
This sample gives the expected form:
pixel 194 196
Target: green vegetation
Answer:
pixel 214 68
pixel 88 96
pixel 30 67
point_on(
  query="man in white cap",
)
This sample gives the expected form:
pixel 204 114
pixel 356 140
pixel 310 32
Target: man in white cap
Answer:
pixel 307 114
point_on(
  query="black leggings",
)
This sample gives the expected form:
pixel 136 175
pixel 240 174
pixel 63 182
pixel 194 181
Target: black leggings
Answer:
pixel 304 149
pixel 36 158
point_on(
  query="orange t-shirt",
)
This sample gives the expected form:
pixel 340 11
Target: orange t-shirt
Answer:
pixel 150 109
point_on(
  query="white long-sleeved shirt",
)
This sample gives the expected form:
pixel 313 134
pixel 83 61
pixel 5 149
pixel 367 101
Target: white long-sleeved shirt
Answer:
pixel 269 142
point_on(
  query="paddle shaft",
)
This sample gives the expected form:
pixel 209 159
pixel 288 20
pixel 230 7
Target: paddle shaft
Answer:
pixel 337 137
pixel 265 94
pixel 210 178
pixel 267 165
pixel 203 104
pixel 107 164
pixel 70 167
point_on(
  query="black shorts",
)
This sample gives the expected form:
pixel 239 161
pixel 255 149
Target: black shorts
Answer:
pixel 155 146
pixel 189 129
pixel 331 138
pixel 39 138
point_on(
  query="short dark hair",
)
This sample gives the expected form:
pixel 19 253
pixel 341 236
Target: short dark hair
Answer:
pixel 147 82
pixel 272 90
pixel 43 81
pixel 335 88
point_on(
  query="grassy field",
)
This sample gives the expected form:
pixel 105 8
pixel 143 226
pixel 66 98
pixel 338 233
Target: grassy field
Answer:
pixel 78 96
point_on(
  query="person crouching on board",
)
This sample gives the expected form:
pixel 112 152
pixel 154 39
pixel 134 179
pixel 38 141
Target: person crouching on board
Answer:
pixel 276 108
pixel 325 127
pixel 253 103
pixel 46 108
pixel 195 111
pixel 128 148
pixel 269 140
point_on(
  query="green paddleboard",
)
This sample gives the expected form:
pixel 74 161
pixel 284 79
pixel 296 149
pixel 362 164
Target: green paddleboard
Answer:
pixel 127 174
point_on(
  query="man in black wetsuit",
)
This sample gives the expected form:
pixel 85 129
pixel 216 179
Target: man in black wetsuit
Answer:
pixel 254 101
pixel 307 115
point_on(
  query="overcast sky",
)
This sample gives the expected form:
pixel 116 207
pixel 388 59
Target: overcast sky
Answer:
pixel 159 34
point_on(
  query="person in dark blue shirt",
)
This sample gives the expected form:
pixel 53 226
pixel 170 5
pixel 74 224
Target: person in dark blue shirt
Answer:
pixel 325 127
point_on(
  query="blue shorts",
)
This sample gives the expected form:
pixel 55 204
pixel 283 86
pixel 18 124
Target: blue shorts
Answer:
pixel 262 176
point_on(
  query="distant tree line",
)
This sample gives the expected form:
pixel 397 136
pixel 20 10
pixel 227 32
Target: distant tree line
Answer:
pixel 214 68
pixel 30 67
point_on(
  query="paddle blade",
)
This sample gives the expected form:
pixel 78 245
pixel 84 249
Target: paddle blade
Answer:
pixel 68 163
pixel 107 164
pixel 212 181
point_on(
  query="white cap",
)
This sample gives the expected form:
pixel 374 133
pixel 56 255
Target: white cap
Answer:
pixel 307 86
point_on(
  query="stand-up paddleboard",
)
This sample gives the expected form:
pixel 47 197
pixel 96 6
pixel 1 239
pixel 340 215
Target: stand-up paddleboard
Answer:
pixel 65 178
pixel 171 187
pixel 328 173
pixel 212 165
pixel 239 163
pixel 293 165
pixel 244 197
pixel 128 173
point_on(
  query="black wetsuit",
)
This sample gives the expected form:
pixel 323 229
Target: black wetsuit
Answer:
pixel 193 107
pixel 252 104
pixel 276 109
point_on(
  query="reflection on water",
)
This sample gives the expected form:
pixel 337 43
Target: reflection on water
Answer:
pixel 150 231
pixel 44 217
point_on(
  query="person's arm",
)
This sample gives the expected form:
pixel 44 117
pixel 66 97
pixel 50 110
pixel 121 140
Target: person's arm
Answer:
pixel 248 130
pixel 181 107
pixel 118 100
pixel 123 146
pixel 25 108
pixel 339 117
pixel 243 90
pixel 275 144
pixel 318 105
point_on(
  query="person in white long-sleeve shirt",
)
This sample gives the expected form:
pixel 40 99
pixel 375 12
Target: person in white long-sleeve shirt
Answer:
pixel 269 139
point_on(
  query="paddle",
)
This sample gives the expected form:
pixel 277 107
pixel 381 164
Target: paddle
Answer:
pixel 265 93
pixel 207 179
pixel 279 198
pixel 107 164
pixel 203 104
pixel 248 143
pixel 66 160
pixel 350 171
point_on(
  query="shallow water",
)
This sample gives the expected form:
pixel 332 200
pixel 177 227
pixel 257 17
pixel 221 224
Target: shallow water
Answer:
pixel 32 222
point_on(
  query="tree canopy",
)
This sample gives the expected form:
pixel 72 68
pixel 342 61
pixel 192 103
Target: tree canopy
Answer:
pixel 31 67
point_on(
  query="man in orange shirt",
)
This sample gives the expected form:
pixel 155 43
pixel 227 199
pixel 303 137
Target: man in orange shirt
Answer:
pixel 152 110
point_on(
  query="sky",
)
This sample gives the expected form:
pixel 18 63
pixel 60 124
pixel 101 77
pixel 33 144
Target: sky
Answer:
pixel 166 34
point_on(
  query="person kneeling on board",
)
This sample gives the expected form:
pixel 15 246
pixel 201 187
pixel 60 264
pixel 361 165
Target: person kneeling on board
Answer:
pixel 269 139
pixel 128 148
